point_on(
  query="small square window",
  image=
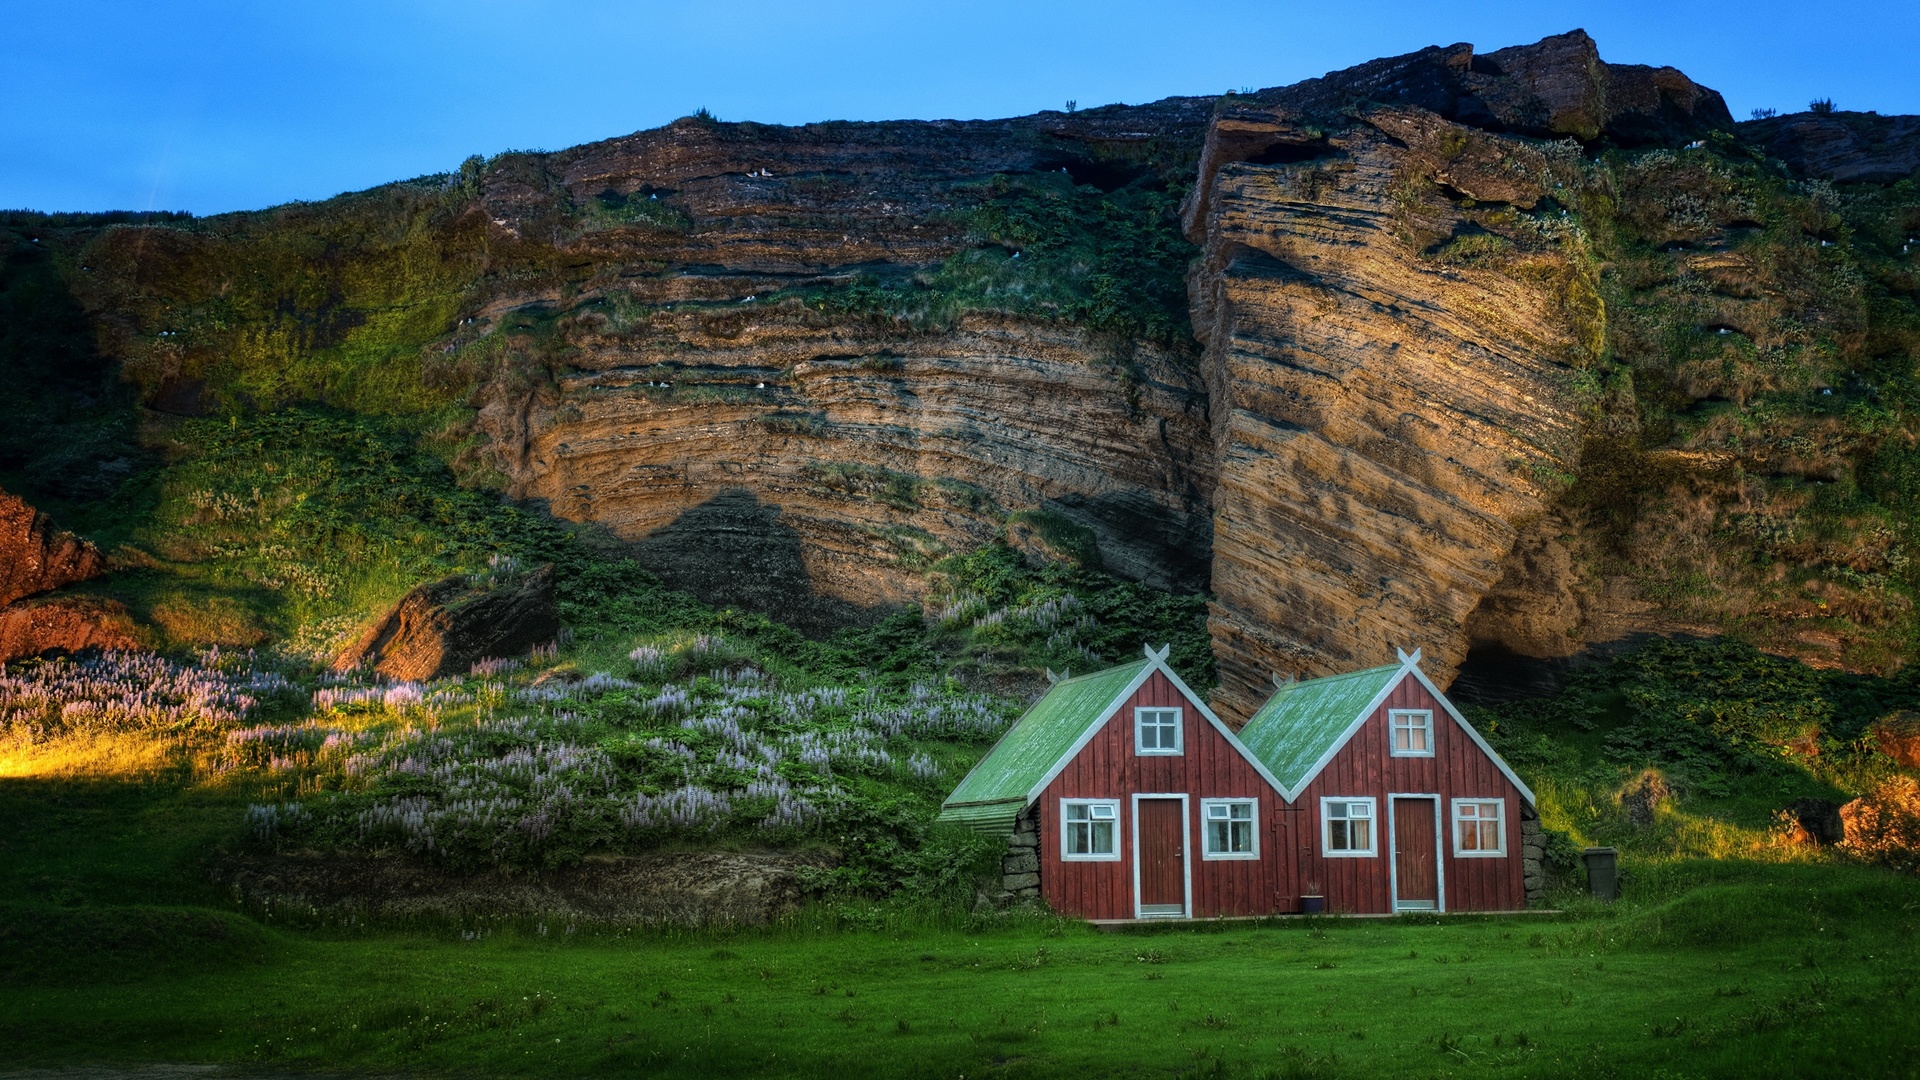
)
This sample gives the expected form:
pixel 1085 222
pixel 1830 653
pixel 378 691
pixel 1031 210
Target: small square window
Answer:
pixel 1346 827
pixel 1412 732
pixel 1479 828
pixel 1089 829
pixel 1228 825
pixel 1156 731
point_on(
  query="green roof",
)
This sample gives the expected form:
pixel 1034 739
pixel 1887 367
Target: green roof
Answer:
pixel 998 787
pixel 1303 720
pixel 988 817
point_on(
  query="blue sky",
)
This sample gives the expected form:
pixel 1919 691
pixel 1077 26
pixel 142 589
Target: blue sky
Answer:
pixel 210 106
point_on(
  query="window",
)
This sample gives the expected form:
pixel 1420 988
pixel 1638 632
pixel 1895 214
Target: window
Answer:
pixel 1346 827
pixel 1156 731
pixel 1229 828
pixel 1412 732
pixel 1479 828
pixel 1090 829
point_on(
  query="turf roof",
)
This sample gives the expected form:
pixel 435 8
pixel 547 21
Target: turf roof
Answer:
pixel 1039 739
pixel 1302 721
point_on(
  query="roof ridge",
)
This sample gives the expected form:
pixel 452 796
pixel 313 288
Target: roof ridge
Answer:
pixel 1102 671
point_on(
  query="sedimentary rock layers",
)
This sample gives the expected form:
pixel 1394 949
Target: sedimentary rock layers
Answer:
pixel 1384 420
pixel 817 472
pixel 796 365
pixel 766 449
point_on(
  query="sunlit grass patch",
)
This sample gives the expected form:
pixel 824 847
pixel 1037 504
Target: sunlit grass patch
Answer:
pixel 94 754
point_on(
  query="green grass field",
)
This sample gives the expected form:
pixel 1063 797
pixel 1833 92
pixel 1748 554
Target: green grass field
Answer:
pixel 116 948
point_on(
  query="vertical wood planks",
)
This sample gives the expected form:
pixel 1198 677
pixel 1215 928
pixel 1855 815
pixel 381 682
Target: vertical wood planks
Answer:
pixel 1108 768
pixel 1457 770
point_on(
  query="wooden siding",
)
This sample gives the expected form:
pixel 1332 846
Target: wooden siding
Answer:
pixel 1364 767
pixel 1210 767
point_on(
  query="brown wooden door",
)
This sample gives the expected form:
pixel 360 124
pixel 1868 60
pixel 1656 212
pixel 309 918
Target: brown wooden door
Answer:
pixel 1162 855
pixel 1416 871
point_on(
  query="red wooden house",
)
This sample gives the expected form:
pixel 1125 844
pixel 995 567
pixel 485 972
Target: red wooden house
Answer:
pixel 1143 803
pixel 1398 803
pixel 1125 797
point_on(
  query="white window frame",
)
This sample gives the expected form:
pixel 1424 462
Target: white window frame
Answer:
pixel 1499 818
pixel 1393 730
pixel 1179 730
pixel 1206 831
pixel 1373 831
pixel 1066 830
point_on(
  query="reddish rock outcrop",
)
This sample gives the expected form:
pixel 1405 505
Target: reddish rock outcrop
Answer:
pixel 445 627
pixel 57 624
pixel 1883 824
pixel 1898 736
pixel 35 557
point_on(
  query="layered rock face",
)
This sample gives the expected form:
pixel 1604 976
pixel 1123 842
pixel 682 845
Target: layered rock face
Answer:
pixel 1841 146
pixel 767 450
pixel 1372 427
pixel 1395 318
pixel 796 366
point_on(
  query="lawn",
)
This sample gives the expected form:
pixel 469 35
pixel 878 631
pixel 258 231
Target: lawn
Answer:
pixel 1705 969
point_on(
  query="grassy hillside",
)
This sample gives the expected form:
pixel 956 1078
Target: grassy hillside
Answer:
pixel 1754 418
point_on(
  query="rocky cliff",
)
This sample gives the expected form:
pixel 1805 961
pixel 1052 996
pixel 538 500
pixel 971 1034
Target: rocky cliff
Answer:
pixel 1448 349
pixel 1397 310
pixel 786 380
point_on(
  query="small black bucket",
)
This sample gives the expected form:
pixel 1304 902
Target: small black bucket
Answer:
pixel 1313 905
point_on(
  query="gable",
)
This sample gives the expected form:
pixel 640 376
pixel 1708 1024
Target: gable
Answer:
pixel 1305 725
pixel 1056 728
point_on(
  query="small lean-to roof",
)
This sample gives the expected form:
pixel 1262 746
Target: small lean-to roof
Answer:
pixel 1304 722
pixel 998 788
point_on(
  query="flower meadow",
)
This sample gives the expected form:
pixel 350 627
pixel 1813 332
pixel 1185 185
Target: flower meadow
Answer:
pixel 127 691
pixel 513 765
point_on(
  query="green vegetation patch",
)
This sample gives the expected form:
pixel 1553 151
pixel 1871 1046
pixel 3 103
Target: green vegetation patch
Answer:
pixel 303 521
pixel 995 610
pixel 1696 749
pixel 330 302
pixel 1114 262
pixel 1756 397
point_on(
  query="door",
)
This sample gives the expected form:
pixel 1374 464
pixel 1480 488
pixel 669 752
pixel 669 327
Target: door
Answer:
pixel 1161 856
pixel 1416 864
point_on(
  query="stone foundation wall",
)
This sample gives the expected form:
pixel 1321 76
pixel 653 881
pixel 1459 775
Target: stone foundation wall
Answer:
pixel 1533 853
pixel 1019 867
